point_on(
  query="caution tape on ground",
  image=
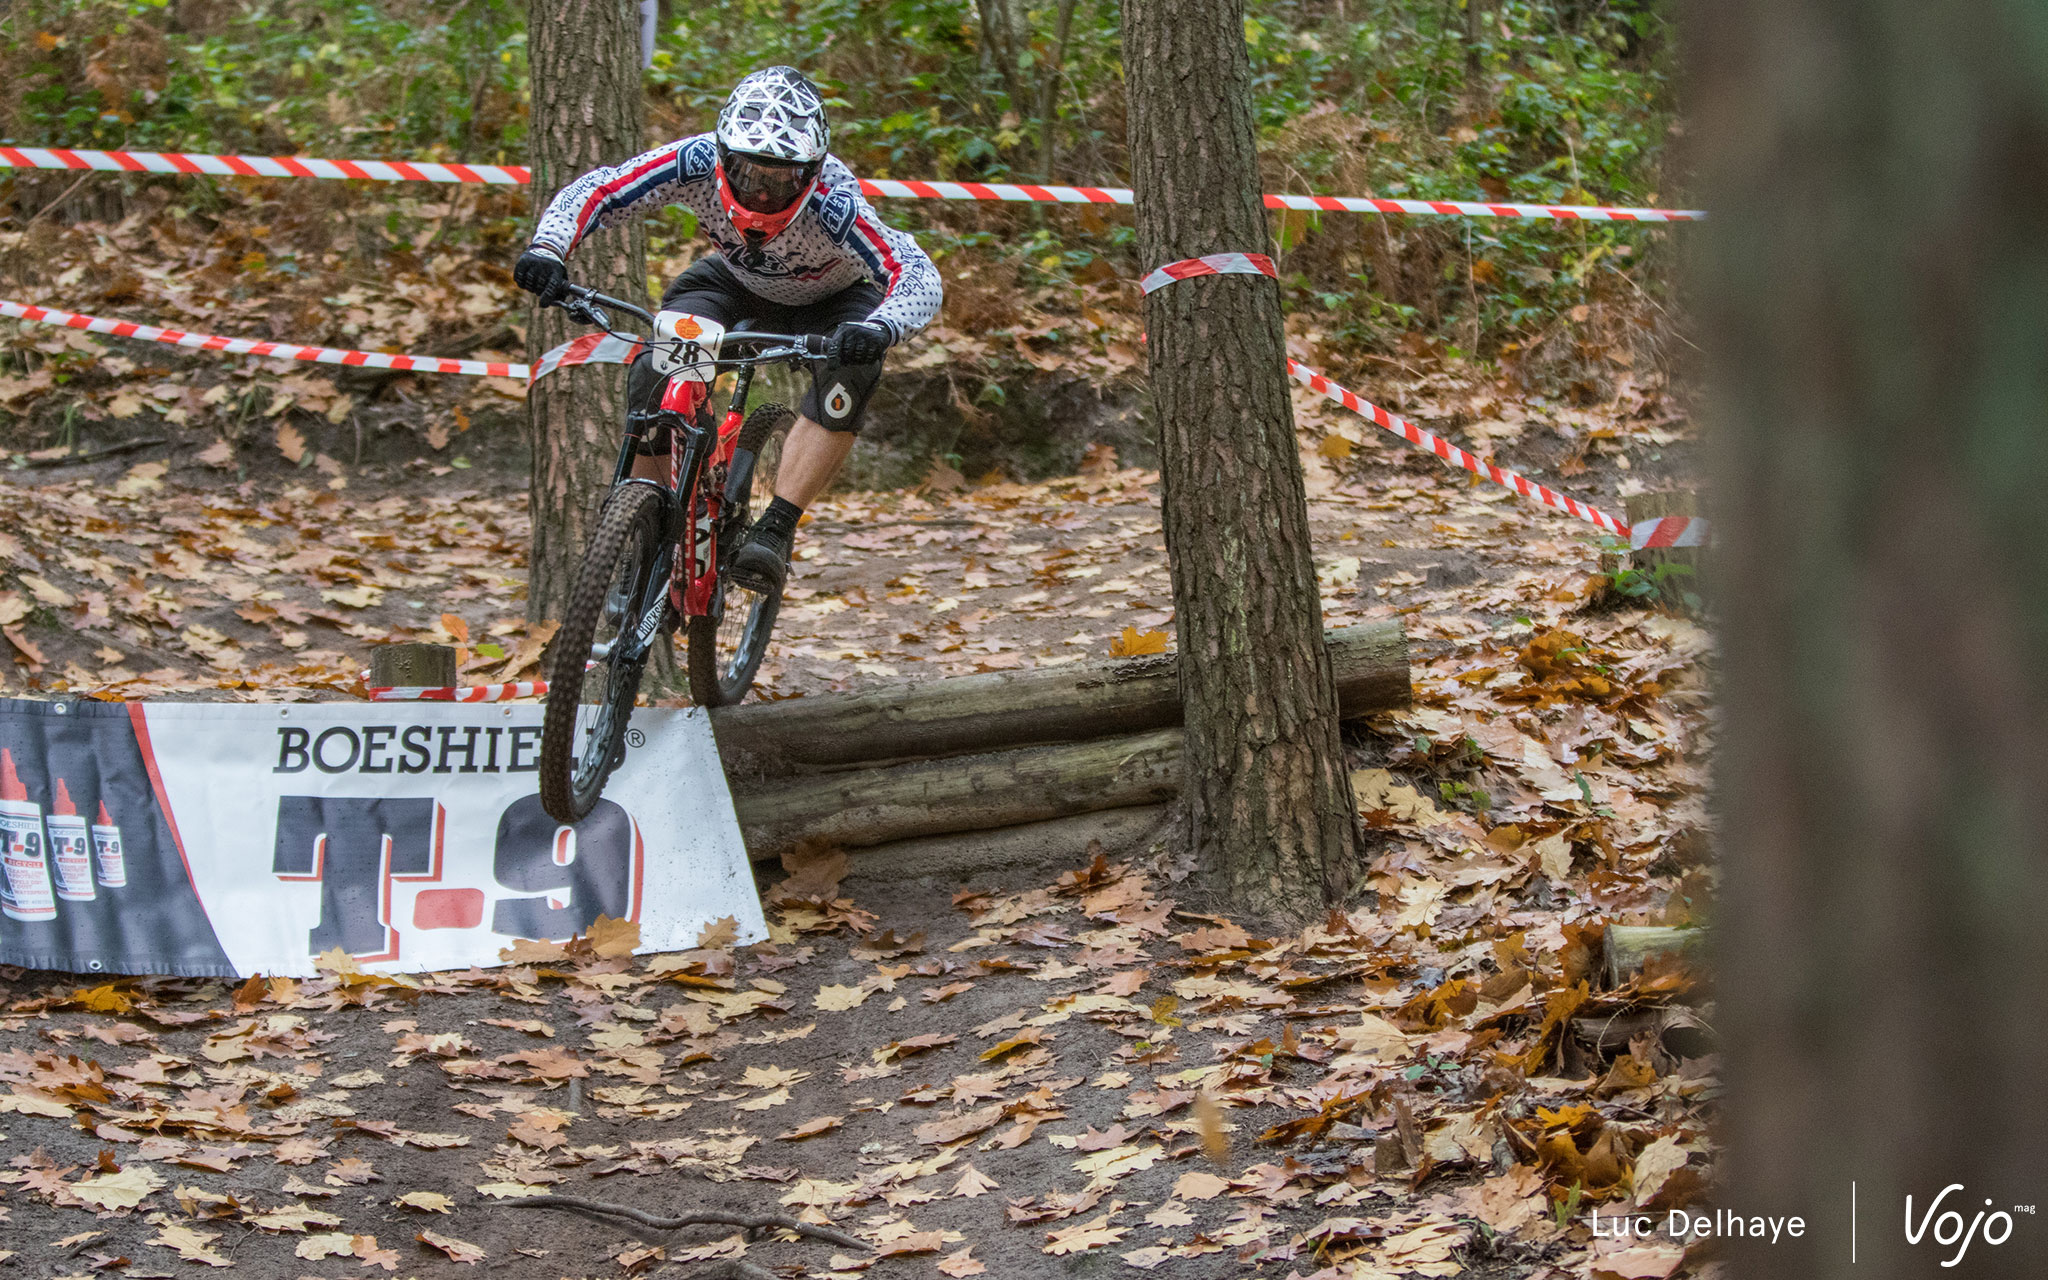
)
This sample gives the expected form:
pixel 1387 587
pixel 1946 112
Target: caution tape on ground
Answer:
pixel 187 162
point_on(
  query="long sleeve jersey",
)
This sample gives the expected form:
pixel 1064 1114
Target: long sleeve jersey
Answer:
pixel 835 240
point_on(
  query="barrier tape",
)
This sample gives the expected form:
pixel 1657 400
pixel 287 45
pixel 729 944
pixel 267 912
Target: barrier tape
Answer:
pixel 1668 531
pixel 460 693
pixel 1215 264
pixel 246 346
pixel 187 162
pixel 591 348
pixel 597 348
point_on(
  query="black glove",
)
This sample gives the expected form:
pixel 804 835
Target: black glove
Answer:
pixel 859 342
pixel 541 274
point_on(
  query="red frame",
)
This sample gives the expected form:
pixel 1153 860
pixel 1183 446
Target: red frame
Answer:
pixel 691 592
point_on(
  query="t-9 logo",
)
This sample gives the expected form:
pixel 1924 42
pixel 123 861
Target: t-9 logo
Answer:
pixel 561 878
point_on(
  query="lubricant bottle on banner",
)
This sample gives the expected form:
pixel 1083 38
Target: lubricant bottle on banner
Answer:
pixel 70 850
pixel 106 848
pixel 25 892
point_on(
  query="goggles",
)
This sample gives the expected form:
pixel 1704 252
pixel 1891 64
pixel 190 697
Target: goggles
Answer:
pixel 762 185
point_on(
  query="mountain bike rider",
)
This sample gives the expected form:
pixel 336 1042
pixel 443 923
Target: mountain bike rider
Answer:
pixel 799 250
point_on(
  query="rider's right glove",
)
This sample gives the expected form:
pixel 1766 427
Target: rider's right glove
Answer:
pixel 541 274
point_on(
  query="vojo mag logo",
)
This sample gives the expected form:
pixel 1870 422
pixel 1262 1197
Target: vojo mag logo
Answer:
pixel 1940 1222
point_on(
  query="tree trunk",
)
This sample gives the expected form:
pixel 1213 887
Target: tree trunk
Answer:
pixel 1001 709
pixel 1269 805
pixel 1873 297
pixel 587 111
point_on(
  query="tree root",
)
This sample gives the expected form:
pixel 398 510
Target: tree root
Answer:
pixel 709 1217
pixel 736 1269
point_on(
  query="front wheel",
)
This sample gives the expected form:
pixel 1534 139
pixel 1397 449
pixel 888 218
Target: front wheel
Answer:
pixel 727 645
pixel 600 652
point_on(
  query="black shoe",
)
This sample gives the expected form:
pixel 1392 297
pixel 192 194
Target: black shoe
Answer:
pixel 762 562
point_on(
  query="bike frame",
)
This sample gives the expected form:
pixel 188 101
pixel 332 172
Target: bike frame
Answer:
pixel 697 454
pixel 692 508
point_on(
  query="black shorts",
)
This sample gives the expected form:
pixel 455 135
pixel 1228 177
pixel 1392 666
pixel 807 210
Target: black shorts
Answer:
pixel 837 398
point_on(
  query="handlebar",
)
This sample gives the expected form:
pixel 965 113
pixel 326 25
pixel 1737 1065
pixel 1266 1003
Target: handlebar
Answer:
pixel 588 306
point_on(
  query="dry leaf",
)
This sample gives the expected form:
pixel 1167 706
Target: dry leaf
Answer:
pixel 457 1250
pixel 614 939
pixel 1134 643
pixel 290 443
pixel 1209 1121
pixel 123 1190
pixel 426 1202
pixel 1093 1234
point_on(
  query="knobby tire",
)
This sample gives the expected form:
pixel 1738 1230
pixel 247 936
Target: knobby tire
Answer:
pixel 628 527
pixel 726 647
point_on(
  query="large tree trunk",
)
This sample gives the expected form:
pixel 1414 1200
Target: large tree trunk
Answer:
pixel 1875 294
pixel 587 111
pixel 1269 807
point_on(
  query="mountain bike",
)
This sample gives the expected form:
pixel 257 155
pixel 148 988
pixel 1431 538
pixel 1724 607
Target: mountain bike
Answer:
pixel 659 554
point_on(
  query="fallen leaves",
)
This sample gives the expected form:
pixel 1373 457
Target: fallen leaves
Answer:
pixel 123 1190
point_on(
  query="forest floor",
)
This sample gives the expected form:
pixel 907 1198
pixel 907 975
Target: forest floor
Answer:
pixel 1076 1069
pixel 1084 1068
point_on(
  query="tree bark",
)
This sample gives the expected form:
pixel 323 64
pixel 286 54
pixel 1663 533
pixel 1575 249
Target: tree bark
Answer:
pixel 587 111
pixel 1874 293
pixel 1002 709
pixel 1269 805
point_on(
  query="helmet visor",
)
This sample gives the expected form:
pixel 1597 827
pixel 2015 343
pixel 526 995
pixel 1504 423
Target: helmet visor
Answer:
pixel 766 186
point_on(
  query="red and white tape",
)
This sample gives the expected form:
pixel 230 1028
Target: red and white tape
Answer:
pixel 187 162
pixel 1215 264
pixel 591 348
pixel 246 346
pixel 460 693
pixel 1670 531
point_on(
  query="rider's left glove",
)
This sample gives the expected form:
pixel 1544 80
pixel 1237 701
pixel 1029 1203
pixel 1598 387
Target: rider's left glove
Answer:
pixel 860 342
pixel 541 274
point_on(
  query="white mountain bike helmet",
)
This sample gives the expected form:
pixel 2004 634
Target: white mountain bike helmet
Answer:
pixel 772 139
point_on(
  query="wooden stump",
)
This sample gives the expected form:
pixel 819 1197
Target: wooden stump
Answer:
pixel 402 666
pixel 1629 947
pixel 1651 506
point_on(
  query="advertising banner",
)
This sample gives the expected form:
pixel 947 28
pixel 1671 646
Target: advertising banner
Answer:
pixel 228 840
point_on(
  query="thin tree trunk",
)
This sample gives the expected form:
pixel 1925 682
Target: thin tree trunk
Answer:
pixel 999 39
pixel 1048 93
pixel 1269 805
pixel 587 111
pixel 1874 295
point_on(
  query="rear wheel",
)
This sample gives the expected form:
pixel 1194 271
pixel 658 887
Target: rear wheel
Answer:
pixel 600 652
pixel 727 645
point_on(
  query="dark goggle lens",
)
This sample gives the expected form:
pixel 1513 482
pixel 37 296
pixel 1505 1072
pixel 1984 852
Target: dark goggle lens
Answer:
pixel 767 188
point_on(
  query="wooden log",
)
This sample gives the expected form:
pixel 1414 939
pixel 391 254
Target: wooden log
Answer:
pixel 1630 946
pixel 1649 506
pixel 429 666
pixel 965 793
pixel 1000 710
pixel 1117 832
pixel 1682 1033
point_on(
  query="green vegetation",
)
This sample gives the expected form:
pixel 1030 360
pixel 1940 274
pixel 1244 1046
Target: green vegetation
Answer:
pixel 1529 100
